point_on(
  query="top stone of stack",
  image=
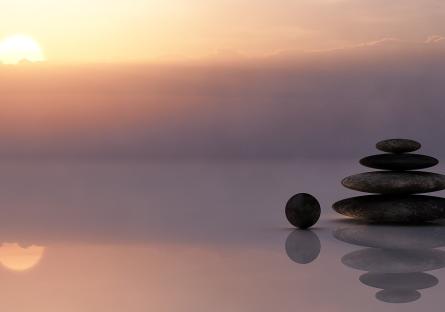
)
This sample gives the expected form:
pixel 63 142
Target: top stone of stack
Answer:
pixel 398 157
pixel 398 146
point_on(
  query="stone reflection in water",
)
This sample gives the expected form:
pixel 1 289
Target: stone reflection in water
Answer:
pixel 398 295
pixel 416 280
pixel 393 237
pixel 303 246
pixel 399 287
pixel 396 259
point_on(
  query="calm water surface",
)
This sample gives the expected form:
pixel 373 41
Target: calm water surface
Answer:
pixel 202 237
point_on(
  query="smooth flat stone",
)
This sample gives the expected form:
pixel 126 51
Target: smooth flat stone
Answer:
pixel 392 209
pixel 399 161
pixel 398 146
pixel 393 236
pixel 395 182
pixel 395 261
pixel 414 280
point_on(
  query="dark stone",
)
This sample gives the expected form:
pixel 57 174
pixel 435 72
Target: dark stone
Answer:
pixel 393 236
pixel 392 209
pixel 414 280
pixel 395 261
pixel 303 247
pixel 398 146
pixel 395 182
pixel 303 210
pixel 398 295
pixel 399 161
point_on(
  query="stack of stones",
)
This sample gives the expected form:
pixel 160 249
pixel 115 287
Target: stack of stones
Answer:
pixel 396 185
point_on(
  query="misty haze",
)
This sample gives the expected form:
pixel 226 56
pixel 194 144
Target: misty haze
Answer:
pixel 282 106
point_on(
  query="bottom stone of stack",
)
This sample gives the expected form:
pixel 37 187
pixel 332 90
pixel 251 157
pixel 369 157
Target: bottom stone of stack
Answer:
pixel 392 208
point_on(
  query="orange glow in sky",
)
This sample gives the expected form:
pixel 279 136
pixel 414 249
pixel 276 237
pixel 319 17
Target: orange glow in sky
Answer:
pixel 151 30
pixel 16 48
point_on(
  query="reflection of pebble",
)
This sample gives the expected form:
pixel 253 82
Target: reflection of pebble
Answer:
pixel 397 295
pixel 395 261
pixel 413 281
pixel 393 237
pixel 303 210
pixel 303 246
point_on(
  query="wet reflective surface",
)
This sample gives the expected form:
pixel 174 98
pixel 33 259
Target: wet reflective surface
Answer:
pixel 397 260
pixel 202 237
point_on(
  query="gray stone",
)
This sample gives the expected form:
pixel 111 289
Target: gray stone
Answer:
pixel 303 247
pixel 395 261
pixel 393 236
pixel 398 295
pixel 303 210
pixel 398 146
pixel 395 182
pixel 399 161
pixel 414 280
pixel 392 209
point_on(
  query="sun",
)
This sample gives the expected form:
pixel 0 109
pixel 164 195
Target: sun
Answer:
pixel 17 258
pixel 17 48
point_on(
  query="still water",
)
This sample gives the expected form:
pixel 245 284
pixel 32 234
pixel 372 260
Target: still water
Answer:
pixel 108 236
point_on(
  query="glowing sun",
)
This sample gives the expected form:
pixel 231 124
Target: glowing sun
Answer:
pixel 17 48
pixel 17 258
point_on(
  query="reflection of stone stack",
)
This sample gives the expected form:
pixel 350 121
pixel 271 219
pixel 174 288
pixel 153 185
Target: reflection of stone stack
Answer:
pixel 396 258
pixel 395 186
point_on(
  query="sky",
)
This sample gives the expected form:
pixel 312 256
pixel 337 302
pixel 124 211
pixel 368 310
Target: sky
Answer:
pixel 223 79
pixel 154 30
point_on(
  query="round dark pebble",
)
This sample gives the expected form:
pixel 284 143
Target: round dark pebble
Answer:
pixel 398 146
pixel 303 210
pixel 399 161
